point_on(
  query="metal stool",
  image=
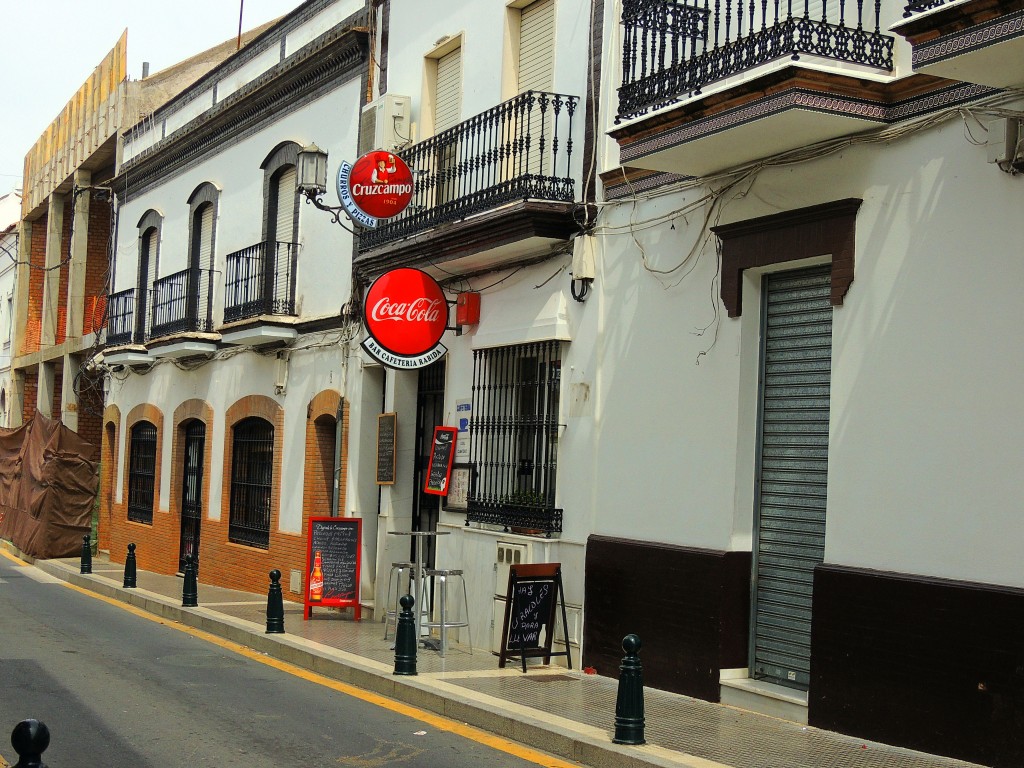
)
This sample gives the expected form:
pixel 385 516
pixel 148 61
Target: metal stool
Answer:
pixel 395 575
pixel 444 621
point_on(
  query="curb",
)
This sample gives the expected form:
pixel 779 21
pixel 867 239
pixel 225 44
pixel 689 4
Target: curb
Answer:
pixel 557 736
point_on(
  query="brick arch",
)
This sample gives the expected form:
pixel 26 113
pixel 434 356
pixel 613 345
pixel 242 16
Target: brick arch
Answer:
pixel 189 410
pixel 109 441
pixel 321 431
pixel 235 565
pixel 150 540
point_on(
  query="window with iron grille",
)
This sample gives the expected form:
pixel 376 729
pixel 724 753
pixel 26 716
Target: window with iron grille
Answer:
pixel 515 436
pixel 252 479
pixel 142 472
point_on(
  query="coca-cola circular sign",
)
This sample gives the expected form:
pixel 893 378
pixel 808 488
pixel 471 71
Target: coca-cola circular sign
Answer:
pixel 406 314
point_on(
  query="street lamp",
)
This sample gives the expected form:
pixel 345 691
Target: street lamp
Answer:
pixel 311 169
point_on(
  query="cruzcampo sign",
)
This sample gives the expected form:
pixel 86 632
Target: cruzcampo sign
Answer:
pixel 377 186
pixel 406 314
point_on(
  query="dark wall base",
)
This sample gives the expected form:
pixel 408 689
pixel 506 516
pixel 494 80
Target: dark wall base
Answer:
pixel 690 608
pixel 929 664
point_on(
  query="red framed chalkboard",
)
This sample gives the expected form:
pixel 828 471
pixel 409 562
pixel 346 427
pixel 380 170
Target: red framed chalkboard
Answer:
pixel 332 564
pixel 534 593
pixel 442 451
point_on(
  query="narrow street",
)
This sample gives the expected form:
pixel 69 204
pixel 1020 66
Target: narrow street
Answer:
pixel 119 690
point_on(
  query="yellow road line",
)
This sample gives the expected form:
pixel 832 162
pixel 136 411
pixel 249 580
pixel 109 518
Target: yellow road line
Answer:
pixel 437 721
pixel 13 559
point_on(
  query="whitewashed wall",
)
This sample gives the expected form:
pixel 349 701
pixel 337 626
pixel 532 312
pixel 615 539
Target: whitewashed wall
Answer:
pixel 926 426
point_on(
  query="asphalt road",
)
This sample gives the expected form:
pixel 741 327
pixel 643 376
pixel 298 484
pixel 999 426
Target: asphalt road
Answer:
pixel 119 690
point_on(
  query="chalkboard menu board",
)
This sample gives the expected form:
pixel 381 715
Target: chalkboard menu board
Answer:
pixel 442 451
pixel 534 592
pixel 387 428
pixel 332 563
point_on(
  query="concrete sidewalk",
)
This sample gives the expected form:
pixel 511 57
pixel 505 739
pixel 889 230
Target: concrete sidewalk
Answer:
pixel 564 712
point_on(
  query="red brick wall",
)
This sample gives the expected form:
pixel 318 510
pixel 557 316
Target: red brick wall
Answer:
pixel 34 311
pixel 97 261
pixel 55 400
pixel 60 334
pixel 224 563
pixel 31 389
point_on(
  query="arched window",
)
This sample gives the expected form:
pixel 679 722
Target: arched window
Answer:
pixel 149 256
pixel 252 481
pixel 142 472
pixel 201 249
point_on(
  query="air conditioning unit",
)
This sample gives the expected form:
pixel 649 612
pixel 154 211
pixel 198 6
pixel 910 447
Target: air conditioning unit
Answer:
pixel 386 123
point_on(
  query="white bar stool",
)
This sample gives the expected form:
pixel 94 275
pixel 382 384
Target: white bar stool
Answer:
pixel 444 620
pixel 399 572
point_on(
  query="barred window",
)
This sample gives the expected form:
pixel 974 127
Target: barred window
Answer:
pixel 515 436
pixel 252 478
pixel 142 472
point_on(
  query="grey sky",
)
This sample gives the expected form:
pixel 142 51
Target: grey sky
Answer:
pixel 51 46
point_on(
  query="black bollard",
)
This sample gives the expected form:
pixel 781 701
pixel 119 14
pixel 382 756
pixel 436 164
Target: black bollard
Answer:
pixel 189 587
pixel 130 568
pixel 275 605
pixel 30 739
pixel 86 555
pixel 405 638
pixel 629 706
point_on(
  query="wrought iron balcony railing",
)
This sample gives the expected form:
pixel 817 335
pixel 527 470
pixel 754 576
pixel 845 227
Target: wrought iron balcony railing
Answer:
pixel 673 49
pixel 518 150
pixel 121 326
pixel 260 280
pixel 918 6
pixel 182 303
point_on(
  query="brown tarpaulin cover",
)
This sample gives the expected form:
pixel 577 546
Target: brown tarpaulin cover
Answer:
pixel 48 481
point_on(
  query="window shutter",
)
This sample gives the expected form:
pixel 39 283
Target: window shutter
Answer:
pixel 536 46
pixel 284 230
pixel 206 238
pixel 448 101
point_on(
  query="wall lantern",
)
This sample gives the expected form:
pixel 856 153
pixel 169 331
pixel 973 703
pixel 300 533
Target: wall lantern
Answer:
pixel 311 170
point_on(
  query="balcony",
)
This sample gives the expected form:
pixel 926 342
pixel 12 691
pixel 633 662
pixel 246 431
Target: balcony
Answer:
pixel 259 293
pixel 182 314
pixel 492 188
pixel 710 86
pixel 977 41
pixel 123 338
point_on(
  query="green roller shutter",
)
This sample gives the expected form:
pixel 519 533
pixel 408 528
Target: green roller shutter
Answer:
pixel 792 471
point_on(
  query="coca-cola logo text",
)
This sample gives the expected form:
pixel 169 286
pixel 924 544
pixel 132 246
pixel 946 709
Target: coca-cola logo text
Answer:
pixel 406 312
pixel 420 310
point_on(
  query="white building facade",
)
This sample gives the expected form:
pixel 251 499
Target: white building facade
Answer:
pixel 10 213
pixel 226 332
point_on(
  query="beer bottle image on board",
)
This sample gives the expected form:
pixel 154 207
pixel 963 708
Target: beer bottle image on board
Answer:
pixel 316 580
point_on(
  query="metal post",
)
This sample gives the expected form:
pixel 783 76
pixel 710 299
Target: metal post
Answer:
pixel 190 587
pixel 30 739
pixel 275 605
pixel 130 568
pixel 86 555
pixel 405 638
pixel 629 705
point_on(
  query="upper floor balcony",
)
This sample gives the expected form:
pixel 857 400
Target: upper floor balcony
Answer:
pixel 973 41
pixel 487 190
pixel 711 85
pixel 259 293
pixel 181 321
